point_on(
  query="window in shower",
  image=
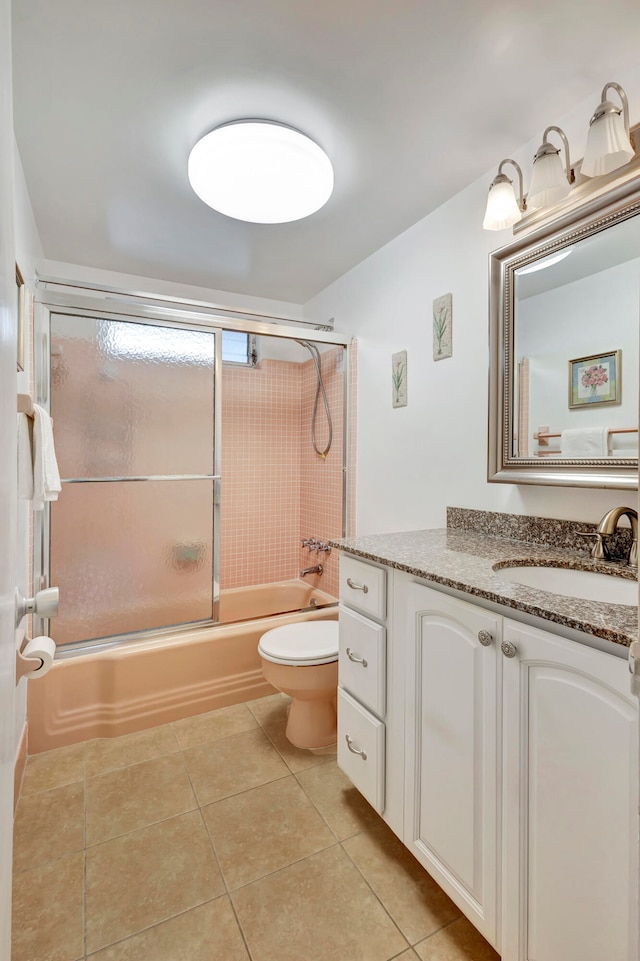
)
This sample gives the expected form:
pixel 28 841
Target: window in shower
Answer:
pixel 132 535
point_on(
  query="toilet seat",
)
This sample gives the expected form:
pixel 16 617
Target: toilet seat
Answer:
pixel 301 645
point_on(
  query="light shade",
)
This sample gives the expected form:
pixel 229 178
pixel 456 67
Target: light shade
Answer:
pixel 608 145
pixel 502 207
pixel 548 181
pixel 260 171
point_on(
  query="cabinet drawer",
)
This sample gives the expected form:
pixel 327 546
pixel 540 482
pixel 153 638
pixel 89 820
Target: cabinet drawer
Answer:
pixel 363 586
pixel 362 659
pixel 361 749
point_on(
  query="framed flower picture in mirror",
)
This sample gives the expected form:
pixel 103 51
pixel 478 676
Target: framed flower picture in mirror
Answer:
pixel 595 380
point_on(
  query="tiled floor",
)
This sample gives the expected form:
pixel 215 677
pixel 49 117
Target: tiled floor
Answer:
pixel 213 839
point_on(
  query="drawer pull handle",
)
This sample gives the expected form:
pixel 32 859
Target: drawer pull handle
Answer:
pixel 356 660
pixel 354 750
pixel 509 649
pixel 485 638
pixel 357 587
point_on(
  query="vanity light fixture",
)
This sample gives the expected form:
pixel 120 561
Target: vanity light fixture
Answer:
pixel 503 208
pixel 608 143
pixel 260 171
pixel 550 180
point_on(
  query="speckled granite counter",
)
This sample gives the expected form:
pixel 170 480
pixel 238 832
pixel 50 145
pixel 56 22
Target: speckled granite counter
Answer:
pixel 464 561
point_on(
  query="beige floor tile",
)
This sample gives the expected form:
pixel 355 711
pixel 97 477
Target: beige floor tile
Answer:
pixel 207 933
pixel 272 709
pixel 295 758
pixel 48 825
pixel 458 942
pixel 235 764
pixel 109 753
pixel 265 829
pixel 225 722
pixel 409 955
pixel 53 769
pixel 341 805
pixel 319 909
pixel 416 903
pixel 47 922
pixel 142 878
pixel 134 796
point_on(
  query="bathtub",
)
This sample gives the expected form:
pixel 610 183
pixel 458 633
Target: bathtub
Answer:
pixel 140 684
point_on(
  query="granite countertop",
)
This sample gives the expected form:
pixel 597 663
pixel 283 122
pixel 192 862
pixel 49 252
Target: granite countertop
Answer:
pixel 464 561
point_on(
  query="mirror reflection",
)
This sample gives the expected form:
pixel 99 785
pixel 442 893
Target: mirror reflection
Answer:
pixel 575 346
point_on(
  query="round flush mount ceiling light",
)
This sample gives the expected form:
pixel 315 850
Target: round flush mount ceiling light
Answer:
pixel 260 171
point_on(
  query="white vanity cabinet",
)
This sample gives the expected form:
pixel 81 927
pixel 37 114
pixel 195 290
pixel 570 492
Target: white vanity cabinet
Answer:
pixel 362 660
pixel 570 801
pixel 451 778
pixel 508 759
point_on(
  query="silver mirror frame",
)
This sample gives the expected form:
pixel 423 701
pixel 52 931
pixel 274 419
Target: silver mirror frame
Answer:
pixel 597 211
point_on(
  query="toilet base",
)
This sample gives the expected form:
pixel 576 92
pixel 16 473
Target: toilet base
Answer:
pixel 312 722
pixel 313 725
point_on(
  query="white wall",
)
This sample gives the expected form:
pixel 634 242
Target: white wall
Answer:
pixel 415 461
pixel 28 252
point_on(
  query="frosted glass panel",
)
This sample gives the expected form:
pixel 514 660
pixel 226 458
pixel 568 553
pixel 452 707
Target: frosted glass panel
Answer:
pixel 131 399
pixel 131 556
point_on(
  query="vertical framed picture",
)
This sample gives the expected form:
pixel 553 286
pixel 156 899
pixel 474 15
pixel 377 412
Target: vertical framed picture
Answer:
pixel 443 327
pixel 596 379
pixel 21 291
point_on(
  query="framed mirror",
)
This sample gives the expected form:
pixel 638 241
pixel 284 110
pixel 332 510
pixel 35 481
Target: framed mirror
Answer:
pixel 564 321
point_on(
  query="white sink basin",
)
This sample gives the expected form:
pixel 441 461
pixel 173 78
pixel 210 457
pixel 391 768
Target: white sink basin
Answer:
pixel 588 585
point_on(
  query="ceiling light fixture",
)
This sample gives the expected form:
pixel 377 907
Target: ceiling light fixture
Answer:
pixel 608 144
pixel 260 171
pixel 503 208
pixel 550 181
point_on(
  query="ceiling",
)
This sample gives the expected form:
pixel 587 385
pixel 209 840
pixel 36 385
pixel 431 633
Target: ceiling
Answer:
pixel 411 99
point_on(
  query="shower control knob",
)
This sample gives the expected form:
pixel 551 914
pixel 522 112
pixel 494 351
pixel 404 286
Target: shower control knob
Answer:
pixel 44 604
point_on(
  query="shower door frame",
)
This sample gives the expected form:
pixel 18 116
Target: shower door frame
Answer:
pixel 101 303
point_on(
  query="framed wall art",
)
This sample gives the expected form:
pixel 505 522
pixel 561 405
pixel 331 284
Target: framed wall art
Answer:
pixel 595 380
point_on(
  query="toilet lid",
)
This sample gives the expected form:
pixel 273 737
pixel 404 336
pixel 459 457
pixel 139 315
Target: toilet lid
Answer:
pixel 307 643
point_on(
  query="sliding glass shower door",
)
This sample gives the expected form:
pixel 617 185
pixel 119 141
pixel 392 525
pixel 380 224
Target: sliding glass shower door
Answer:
pixel 132 535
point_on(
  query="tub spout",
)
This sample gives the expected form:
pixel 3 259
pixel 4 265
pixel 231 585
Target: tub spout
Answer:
pixel 317 569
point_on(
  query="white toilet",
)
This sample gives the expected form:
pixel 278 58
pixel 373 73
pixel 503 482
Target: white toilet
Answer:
pixel 302 660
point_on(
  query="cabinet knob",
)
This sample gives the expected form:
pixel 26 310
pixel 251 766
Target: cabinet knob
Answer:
pixel 354 750
pixel 509 649
pixel 354 657
pixel 357 587
pixel 485 638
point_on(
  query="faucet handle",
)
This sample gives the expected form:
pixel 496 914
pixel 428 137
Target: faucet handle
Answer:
pixel 599 551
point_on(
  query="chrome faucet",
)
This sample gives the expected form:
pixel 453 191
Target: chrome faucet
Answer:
pixel 312 570
pixel 608 526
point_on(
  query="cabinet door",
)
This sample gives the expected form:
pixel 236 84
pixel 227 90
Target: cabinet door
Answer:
pixel 570 803
pixel 451 787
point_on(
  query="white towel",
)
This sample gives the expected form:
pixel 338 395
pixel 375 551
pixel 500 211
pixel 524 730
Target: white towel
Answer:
pixel 25 460
pixel 46 479
pixel 585 442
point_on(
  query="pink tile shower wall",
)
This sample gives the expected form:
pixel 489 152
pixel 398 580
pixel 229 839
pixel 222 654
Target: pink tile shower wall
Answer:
pixel 275 488
pixel 260 474
pixel 321 478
